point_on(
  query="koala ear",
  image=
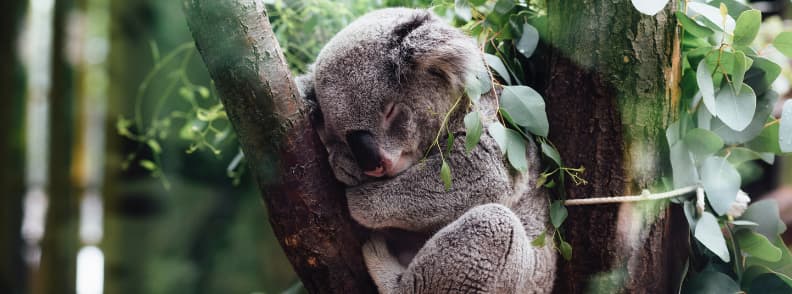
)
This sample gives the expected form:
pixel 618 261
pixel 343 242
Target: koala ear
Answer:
pixel 305 85
pixel 425 44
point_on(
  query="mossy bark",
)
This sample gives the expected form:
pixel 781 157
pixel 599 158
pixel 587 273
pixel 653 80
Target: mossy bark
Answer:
pixel 612 89
pixel 306 205
pixel 12 150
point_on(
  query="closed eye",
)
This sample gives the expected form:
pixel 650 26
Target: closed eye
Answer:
pixel 390 111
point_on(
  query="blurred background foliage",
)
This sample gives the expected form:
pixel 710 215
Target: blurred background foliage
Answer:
pixel 124 133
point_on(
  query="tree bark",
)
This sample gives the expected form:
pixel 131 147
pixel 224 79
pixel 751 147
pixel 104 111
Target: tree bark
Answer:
pixel 57 272
pixel 12 151
pixel 307 207
pixel 612 89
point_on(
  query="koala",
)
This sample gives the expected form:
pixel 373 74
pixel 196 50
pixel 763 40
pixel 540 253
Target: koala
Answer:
pixel 382 87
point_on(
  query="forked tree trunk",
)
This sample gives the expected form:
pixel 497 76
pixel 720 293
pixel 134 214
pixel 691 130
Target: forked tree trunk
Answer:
pixel 613 88
pixel 307 207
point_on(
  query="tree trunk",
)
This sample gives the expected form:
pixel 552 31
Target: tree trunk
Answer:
pixel 12 151
pixel 57 273
pixel 613 88
pixel 307 207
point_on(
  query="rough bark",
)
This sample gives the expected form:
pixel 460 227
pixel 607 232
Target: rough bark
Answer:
pixel 306 205
pixel 12 151
pixel 611 92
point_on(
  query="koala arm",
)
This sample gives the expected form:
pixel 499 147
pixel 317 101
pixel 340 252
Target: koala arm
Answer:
pixel 417 200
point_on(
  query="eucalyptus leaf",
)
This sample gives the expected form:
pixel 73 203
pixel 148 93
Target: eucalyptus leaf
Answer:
pixel 736 110
pixel 550 151
pixel 702 143
pixel 738 74
pixel 712 16
pixel 539 241
pixel 757 245
pixel 764 106
pixel 683 166
pixel 649 7
pixel 739 155
pixel 783 42
pixel 704 80
pixel 498 132
pixel 692 27
pixel 762 74
pixel 473 129
pixel 747 27
pixel 766 141
pixel 445 174
pixel 785 128
pixel 766 214
pixel 497 65
pixel 566 250
pixel 462 9
pixel 526 107
pixel 528 41
pixel 503 6
pixel 721 182
pixel 708 232
pixel 516 150
pixel 710 282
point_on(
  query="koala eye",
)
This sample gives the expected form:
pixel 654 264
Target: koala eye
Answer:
pixel 390 112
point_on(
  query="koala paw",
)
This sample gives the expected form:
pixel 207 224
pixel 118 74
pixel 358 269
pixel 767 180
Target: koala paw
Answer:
pixel 383 267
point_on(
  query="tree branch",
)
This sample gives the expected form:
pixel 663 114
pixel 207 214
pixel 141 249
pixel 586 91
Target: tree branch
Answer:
pixel 307 207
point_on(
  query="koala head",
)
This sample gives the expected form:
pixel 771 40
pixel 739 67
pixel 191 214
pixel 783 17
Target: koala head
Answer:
pixel 383 85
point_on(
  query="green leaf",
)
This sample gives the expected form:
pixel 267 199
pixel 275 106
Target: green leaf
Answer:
pixel 739 155
pixel 783 42
pixel 745 224
pixel 704 80
pixel 757 245
pixel 148 165
pixel 721 181
pixel 566 250
pixel 449 142
pixel 682 166
pixel 785 128
pixel 155 146
pixel 771 283
pixel 649 7
pixel 747 27
pixel 764 106
pixel 736 110
pixel 558 213
pixel 498 132
pixel 708 232
pixel 550 151
pixel 203 91
pixel 473 129
pixel 692 27
pixel 539 241
pixel 528 41
pixel 762 74
pixel 767 141
pixel 766 214
pixel 710 282
pixel 738 75
pixel 503 6
pixel 702 143
pixel 526 107
pixel 497 65
pixel 516 150
pixel 445 174
pixel 712 17
pixel 462 9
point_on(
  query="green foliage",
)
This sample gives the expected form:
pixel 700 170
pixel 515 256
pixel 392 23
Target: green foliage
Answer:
pixel 726 123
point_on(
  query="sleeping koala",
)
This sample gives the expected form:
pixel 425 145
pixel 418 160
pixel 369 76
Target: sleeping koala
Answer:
pixel 382 86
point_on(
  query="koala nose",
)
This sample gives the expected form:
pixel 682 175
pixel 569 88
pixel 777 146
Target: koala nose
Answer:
pixel 365 150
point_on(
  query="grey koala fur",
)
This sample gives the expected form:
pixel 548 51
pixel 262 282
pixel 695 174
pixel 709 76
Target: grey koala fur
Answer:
pixel 412 65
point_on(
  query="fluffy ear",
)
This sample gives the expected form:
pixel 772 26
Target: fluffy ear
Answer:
pixel 425 44
pixel 305 85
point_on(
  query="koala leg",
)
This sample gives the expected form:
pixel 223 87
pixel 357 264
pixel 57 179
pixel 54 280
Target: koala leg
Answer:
pixel 486 250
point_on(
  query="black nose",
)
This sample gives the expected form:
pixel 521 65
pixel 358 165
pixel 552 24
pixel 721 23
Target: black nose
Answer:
pixel 365 150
